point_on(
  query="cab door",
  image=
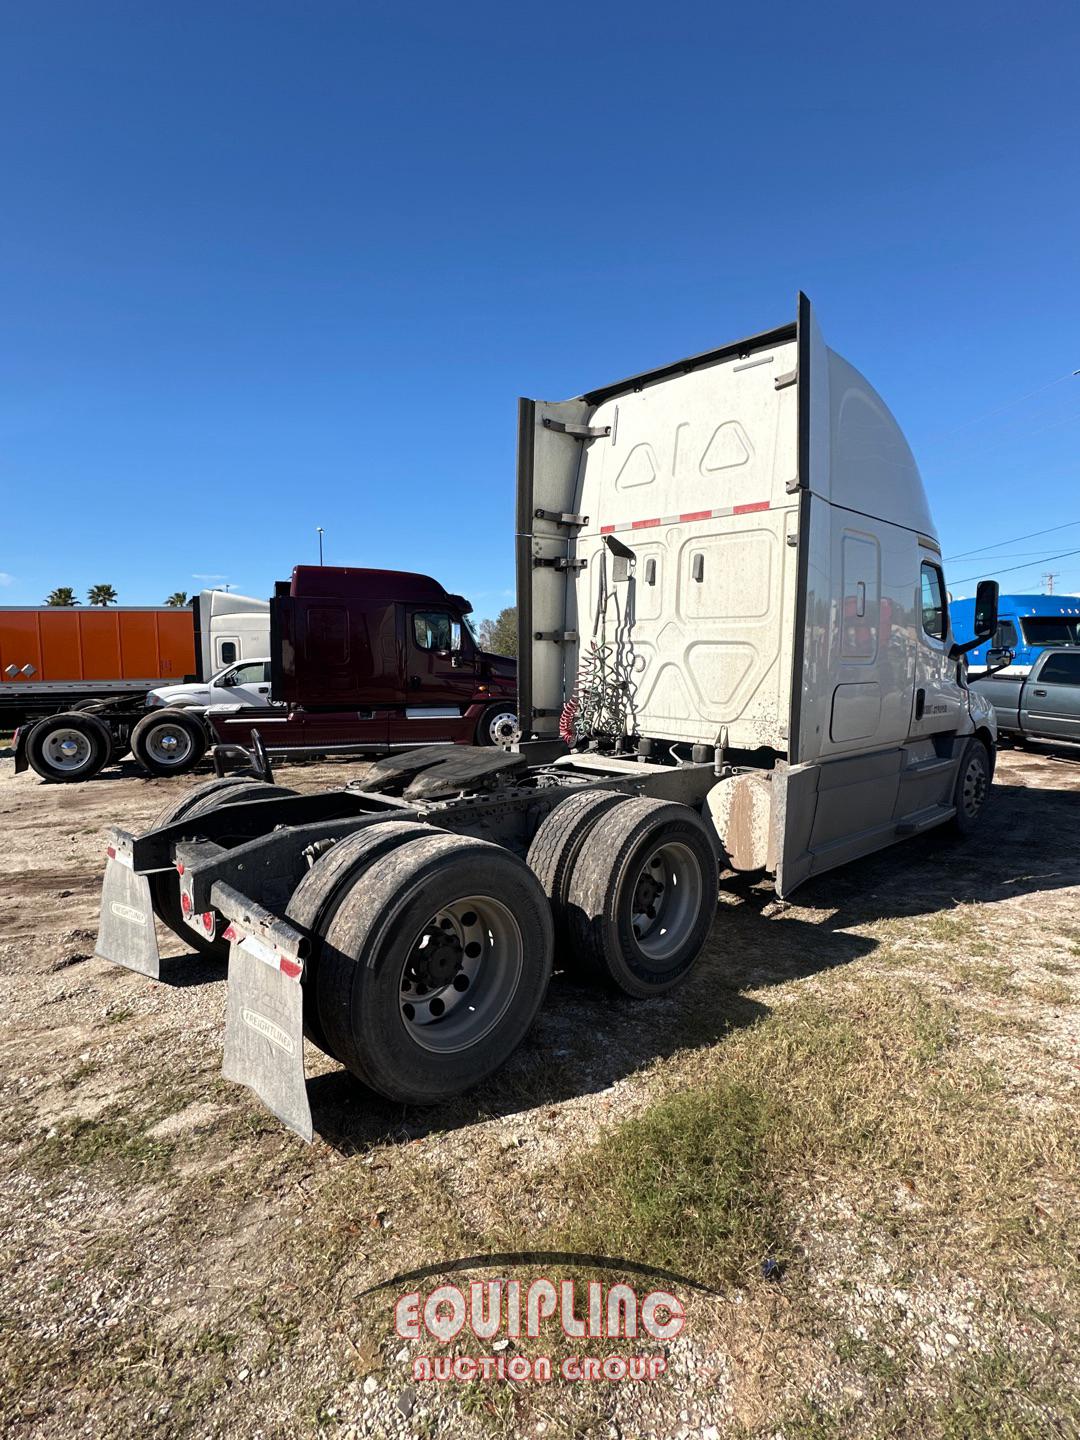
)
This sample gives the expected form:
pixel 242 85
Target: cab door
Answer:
pixel 938 701
pixel 247 684
pixel 1050 703
pixel 441 671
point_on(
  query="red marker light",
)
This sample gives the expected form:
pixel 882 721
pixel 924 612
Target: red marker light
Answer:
pixel 290 968
pixel 231 933
pixel 208 921
pixel 110 851
pixel 179 867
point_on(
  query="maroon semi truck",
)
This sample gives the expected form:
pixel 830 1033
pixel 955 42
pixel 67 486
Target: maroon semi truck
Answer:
pixel 361 661
pixel 378 660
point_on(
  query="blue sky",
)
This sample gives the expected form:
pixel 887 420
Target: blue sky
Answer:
pixel 266 266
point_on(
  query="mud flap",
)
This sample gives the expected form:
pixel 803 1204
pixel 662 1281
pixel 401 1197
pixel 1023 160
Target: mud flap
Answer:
pixel 264 1036
pixel 126 932
pixel 264 1013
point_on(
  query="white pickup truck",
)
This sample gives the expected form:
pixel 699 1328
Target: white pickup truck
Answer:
pixel 245 684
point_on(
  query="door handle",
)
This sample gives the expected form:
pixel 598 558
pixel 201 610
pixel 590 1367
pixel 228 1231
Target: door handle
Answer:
pixel 920 703
pixel 264 689
pixel 1038 692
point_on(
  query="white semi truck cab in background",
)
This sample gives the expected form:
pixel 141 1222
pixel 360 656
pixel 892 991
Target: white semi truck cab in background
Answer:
pixel 736 552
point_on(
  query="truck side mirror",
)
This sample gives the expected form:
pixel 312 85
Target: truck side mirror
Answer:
pixel 998 658
pixel 986 609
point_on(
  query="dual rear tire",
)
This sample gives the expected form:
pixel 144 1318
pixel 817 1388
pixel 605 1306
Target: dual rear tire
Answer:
pixel 432 954
pixel 69 747
pixel 632 884
pixel 169 742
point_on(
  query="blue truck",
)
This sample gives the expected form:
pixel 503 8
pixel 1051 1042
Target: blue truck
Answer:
pixel 1027 625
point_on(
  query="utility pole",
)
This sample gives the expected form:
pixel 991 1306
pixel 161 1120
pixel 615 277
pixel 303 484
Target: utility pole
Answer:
pixel 319 528
pixel 1049 576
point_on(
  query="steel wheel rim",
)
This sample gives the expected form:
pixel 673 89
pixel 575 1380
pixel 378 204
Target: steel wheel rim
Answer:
pixel 502 727
pixel 461 974
pixel 973 791
pixel 666 899
pixel 67 750
pixel 169 744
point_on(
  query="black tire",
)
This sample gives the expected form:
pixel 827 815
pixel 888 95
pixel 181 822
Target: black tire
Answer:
pixel 165 884
pixel 487 727
pixel 87 735
pixel 370 952
pixel 972 787
pixel 557 844
pixel 161 729
pixel 316 899
pixel 619 872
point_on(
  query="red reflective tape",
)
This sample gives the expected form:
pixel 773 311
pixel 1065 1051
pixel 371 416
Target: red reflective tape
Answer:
pixel 644 524
pixel 179 867
pixel 745 509
pixel 110 851
pixel 696 515
pixel 606 529
pixel 290 968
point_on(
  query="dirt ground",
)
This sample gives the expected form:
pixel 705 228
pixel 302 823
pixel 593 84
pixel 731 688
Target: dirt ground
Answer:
pixel 174 1262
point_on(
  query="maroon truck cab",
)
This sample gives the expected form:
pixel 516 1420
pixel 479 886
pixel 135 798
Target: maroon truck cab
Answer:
pixel 375 660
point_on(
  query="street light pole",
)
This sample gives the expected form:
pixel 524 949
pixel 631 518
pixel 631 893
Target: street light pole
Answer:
pixel 319 528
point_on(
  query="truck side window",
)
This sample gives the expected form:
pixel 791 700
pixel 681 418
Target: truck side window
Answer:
pixel 1061 670
pixel 935 614
pixel 432 630
pixel 228 652
pixel 1005 636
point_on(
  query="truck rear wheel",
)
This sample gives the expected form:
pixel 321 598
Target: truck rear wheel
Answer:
pixel 165 884
pixel 641 899
pixel 68 747
pixel 972 786
pixel 434 966
pixel 168 742
pixel 316 899
pixel 557 844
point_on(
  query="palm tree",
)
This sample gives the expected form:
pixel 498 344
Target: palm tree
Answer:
pixel 101 595
pixel 177 599
pixel 62 595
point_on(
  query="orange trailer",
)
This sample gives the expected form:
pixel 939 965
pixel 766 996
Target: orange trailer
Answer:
pixel 53 656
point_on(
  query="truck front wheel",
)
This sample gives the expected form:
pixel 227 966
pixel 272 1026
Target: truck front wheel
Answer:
pixel 168 742
pixel 434 966
pixel 972 786
pixel 498 725
pixel 642 895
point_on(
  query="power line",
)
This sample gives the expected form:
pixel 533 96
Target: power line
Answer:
pixel 1029 566
pixel 1014 541
pixel 1009 405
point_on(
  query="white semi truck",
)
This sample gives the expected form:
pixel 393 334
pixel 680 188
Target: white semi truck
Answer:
pixel 735 653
